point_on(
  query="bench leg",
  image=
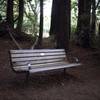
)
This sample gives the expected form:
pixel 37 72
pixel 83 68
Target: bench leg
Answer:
pixel 64 71
pixel 27 76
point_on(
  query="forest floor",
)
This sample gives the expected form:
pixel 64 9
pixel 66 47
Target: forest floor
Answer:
pixel 82 83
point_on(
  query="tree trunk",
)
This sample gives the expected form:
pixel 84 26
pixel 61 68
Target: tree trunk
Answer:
pixel 39 44
pixel 93 17
pixel 99 36
pixel 60 22
pixel 99 32
pixel 20 17
pixel 83 24
pixel 54 17
pixel 80 12
pixel 9 16
pixel 93 22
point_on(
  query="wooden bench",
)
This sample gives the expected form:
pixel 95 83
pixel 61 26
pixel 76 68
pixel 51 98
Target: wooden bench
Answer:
pixel 38 60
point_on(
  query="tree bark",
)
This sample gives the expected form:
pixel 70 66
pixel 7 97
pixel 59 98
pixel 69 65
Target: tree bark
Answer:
pixel 54 17
pixel 83 24
pixel 93 22
pixel 20 17
pixel 80 12
pixel 60 22
pixel 39 44
pixel 9 15
pixel 99 36
pixel 99 29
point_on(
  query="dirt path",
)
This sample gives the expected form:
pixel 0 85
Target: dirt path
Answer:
pixel 84 84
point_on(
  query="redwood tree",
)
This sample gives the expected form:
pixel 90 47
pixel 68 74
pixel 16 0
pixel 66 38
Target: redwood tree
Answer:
pixel 39 43
pixel 83 25
pixel 94 6
pixel 9 16
pixel 60 22
pixel 20 17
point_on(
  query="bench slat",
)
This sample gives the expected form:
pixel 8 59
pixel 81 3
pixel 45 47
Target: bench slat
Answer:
pixel 37 58
pixel 53 67
pixel 37 51
pixel 42 64
pixel 37 54
pixel 36 62
pixel 46 66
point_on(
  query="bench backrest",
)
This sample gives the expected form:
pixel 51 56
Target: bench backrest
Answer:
pixel 36 56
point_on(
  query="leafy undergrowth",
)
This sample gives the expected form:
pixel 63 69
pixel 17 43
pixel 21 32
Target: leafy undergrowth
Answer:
pixel 81 83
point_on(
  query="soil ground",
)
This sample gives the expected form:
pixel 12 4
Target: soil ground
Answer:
pixel 82 83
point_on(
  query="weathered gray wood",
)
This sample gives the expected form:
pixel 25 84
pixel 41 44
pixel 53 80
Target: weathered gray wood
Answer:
pixel 21 68
pixel 42 65
pixel 37 54
pixel 36 50
pixel 52 68
pixel 45 66
pixel 39 60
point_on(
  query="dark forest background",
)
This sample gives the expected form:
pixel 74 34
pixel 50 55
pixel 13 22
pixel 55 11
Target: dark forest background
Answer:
pixel 20 17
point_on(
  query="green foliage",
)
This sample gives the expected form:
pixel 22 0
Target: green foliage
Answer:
pixel 74 14
pixel 31 13
pixel 98 13
pixel 74 5
pixel 30 23
pixel 3 5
